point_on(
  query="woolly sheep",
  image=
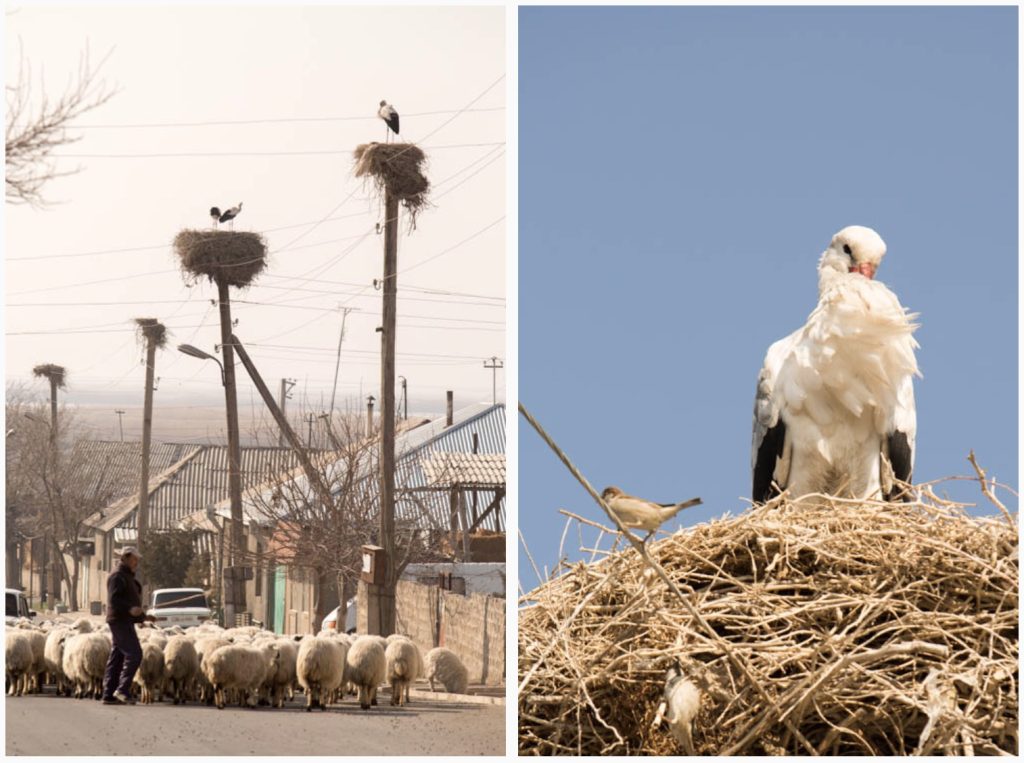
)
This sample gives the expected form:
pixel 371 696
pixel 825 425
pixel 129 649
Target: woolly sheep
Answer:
pixel 366 668
pixel 235 667
pixel 403 667
pixel 282 677
pixel 37 673
pixel 205 646
pixel 85 660
pixel 150 676
pixel 444 665
pixel 180 667
pixel 53 657
pixel 320 668
pixel 82 625
pixel 18 661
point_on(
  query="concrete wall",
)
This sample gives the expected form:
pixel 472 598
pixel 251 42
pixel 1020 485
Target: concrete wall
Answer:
pixel 472 626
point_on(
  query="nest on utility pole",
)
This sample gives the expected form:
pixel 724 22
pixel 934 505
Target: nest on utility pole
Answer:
pixel 51 372
pixel 152 330
pixel 396 168
pixel 235 258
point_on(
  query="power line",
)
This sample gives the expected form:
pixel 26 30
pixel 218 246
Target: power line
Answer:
pixel 221 154
pixel 280 120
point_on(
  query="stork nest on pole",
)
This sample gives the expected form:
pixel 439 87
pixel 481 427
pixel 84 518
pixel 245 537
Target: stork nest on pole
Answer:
pixel 396 168
pixel 839 628
pixel 51 371
pixel 234 257
pixel 152 330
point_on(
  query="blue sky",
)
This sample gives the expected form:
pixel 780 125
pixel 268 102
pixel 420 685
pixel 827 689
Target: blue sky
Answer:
pixel 680 172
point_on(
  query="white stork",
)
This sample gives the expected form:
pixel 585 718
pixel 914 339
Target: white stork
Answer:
pixel 230 215
pixel 390 116
pixel 215 216
pixel 834 411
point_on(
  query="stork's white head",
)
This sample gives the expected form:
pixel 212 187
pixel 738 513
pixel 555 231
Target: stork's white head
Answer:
pixel 854 249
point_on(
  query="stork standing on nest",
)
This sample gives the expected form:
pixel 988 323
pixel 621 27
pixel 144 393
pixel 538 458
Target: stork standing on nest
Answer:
pixel 390 116
pixel 834 411
pixel 230 215
pixel 215 216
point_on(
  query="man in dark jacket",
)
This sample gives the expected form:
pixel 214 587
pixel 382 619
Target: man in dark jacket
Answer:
pixel 124 609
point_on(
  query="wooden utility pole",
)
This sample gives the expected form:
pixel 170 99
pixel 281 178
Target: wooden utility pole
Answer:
pixel 234 591
pixel 494 366
pixel 337 361
pixel 286 385
pixel 314 477
pixel 387 412
pixel 147 433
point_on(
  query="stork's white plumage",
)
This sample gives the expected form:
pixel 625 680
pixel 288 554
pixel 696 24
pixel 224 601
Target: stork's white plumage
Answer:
pixel 834 411
pixel 230 215
pixel 390 116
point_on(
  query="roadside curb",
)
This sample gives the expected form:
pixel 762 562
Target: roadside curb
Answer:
pixel 474 699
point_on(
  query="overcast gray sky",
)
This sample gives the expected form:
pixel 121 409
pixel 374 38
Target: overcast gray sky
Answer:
pixel 295 80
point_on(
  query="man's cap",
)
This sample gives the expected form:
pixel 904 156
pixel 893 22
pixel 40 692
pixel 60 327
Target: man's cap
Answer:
pixel 130 550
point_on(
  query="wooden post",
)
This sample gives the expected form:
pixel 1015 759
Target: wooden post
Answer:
pixel 234 594
pixel 284 397
pixel 314 477
pixel 387 413
pixel 147 432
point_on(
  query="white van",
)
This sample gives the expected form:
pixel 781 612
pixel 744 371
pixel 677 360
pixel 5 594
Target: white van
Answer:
pixel 180 606
pixel 17 604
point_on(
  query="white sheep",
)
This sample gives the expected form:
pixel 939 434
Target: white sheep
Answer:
pixel 366 668
pixel 238 668
pixel 37 673
pixel 444 665
pixel 150 676
pixel 320 668
pixel 180 667
pixel 282 677
pixel 18 661
pixel 404 666
pixel 82 625
pixel 85 661
pixel 53 656
pixel 206 644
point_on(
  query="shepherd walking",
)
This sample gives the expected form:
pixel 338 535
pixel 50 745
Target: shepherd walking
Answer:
pixel 124 610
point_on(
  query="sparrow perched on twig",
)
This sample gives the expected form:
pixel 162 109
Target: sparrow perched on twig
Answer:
pixel 636 513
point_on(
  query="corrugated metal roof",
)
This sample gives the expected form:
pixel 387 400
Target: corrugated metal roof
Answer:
pixel 480 425
pixel 112 469
pixel 196 482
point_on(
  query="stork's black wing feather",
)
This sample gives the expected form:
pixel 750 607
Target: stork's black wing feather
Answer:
pixel 214 211
pixel 901 458
pixel 764 467
pixel 392 122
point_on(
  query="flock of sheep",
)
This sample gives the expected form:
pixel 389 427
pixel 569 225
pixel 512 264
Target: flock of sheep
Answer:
pixel 214 665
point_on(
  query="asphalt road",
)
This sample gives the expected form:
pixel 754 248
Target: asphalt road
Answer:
pixel 49 725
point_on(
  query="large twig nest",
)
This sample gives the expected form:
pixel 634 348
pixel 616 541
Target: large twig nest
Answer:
pixel 152 330
pixel 51 372
pixel 843 628
pixel 234 257
pixel 396 168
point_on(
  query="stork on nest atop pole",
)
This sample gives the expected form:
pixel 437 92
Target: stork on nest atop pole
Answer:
pixel 390 116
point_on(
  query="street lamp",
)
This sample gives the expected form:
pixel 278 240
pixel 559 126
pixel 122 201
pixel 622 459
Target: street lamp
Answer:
pixel 195 352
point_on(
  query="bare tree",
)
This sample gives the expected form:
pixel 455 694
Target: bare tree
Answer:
pixel 42 500
pixel 326 537
pixel 36 125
